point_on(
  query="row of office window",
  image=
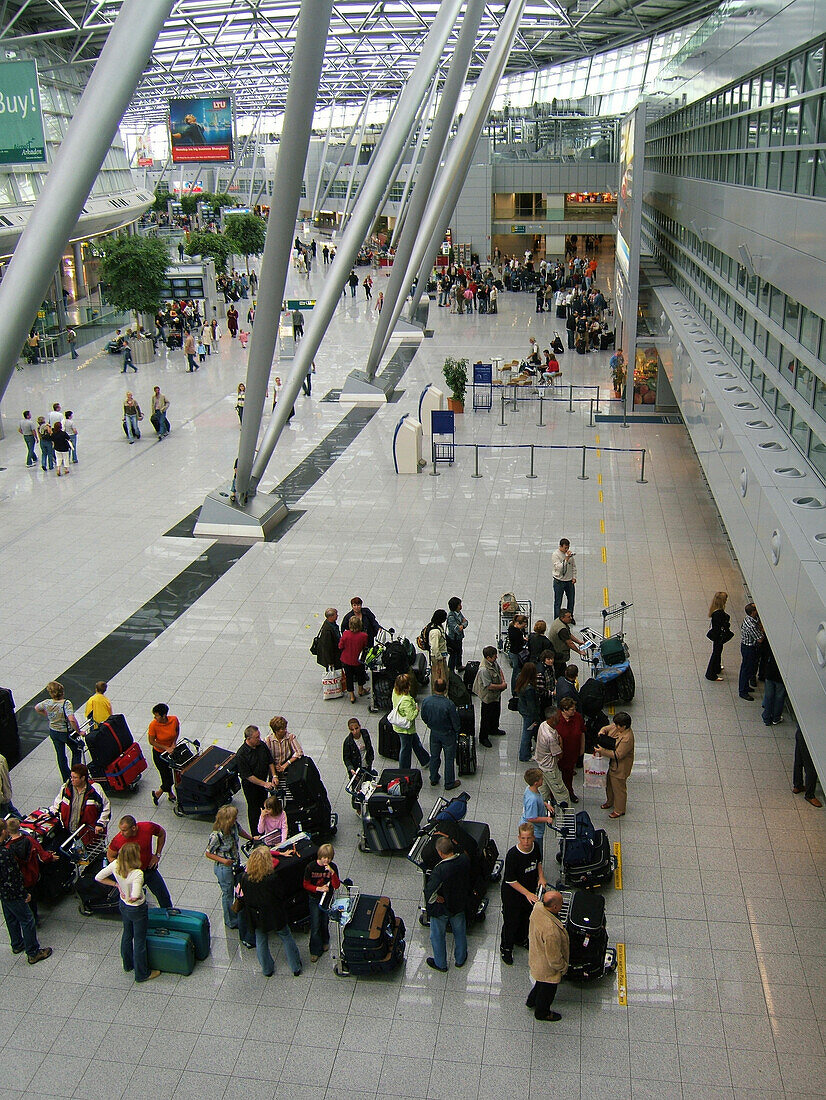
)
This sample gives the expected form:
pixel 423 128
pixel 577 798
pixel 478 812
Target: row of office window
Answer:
pixel 736 306
pixel 766 131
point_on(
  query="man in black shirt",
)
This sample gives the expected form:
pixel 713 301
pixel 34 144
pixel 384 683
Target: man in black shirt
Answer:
pixel 446 895
pixel 522 876
pixel 257 773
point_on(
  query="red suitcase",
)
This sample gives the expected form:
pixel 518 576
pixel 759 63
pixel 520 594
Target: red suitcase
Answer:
pixel 125 772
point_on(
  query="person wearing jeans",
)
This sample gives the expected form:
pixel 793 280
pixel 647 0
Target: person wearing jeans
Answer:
pixel 17 913
pixel 408 710
pixel 803 763
pixel 131 415
pixel 751 636
pixel 265 911
pixel 442 717
pixel 774 693
pixel 63 728
pixel 446 895
pixel 223 849
pixel 125 873
pixel 28 430
pixel 320 881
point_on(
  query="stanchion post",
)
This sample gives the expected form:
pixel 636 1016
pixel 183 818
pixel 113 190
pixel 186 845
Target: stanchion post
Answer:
pixel 591 415
pixel 503 422
pixel 570 399
pixel 531 474
pixel 624 413
pixel 596 406
pixel 540 424
pixel 434 472
pixel 476 462
pixel 641 479
pixel 583 476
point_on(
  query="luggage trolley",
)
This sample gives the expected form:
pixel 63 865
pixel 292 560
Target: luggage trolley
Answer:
pixel 608 655
pixel 584 852
pixel 509 607
pixel 86 850
pixel 371 938
pixel 583 915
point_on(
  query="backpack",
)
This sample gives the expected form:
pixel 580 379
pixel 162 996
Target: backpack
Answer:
pixel 30 864
pixel 423 640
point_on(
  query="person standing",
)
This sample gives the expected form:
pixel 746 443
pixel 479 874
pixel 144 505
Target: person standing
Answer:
pixel 62 449
pixel 803 763
pixel 163 733
pixel 528 698
pixel 437 644
pixel 125 873
pixel 563 641
pixel 284 746
pixel 7 807
pixel 321 880
pixel 71 340
pixel 98 708
pixel 70 428
pixel 357 749
pixel 535 810
pixel 522 879
pixel 141 833
pixel 370 623
pixel 353 641
pixel 407 709
pixel 240 398
pixel 232 321
pixel 570 728
pixel 159 419
pixel 256 772
pixel 489 684
pixel 548 755
pixel 517 642
pixel 548 952
pixel 223 849
pixel 563 565
pixel 298 324
pixel 446 896
pixel 82 802
pixel 265 911
pixel 719 633
pixel 774 692
pixel 751 638
pixel 455 633
pixel 44 434
pixel 15 898
pixel 621 761
pixel 28 430
pixel 441 716
pixel 190 350
pixel 328 655
pixel 64 730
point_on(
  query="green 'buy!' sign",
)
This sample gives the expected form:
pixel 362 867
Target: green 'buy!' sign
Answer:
pixel 21 124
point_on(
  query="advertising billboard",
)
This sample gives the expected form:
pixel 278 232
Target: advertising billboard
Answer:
pixel 21 123
pixel 201 129
pixel 626 191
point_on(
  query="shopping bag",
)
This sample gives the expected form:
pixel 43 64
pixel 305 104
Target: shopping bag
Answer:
pixel 596 769
pixel 332 683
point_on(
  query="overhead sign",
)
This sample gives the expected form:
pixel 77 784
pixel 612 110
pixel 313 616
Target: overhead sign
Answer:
pixel 518 229
pixel 201 129
pixel 21 122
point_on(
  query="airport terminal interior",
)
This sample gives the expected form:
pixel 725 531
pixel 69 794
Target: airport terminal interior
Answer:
pixel 719 907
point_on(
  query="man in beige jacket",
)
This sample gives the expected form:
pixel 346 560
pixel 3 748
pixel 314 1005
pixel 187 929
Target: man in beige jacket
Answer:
pixel 547 953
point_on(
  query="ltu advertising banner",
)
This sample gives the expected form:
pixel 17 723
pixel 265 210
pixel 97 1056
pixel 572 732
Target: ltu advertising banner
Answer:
pixel 201 129
pixel 21 124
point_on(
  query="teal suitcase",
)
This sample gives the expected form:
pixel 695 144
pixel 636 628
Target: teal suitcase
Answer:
pixel 195 924
pixel 170 952
pixel 613 651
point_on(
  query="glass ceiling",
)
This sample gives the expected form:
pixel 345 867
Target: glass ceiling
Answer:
pixel 243 47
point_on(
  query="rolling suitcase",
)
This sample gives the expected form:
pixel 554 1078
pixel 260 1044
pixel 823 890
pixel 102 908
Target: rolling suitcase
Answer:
pixel 389 744
pixel 189 921
pixel 374 837
pixel 170 952
pixel 470 673
pixel 389 962
pixel 587 936
pixel 124 773
pixel 466 744
pixel 402 829
pixel 207 782
pixel 370 930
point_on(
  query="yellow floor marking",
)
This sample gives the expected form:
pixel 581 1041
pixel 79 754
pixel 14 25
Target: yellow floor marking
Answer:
pixel 600 496
pixel 605 597
pixel 604 555
pixel 602 526
pixel 599 479
pixel 622 990
pixel 596 439
pixel 618 868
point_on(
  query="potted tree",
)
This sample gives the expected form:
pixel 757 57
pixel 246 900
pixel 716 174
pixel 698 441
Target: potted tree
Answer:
pixel 455 372
pixel 133 270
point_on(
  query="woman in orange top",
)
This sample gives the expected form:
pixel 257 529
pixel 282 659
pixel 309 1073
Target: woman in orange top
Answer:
pixel 164 730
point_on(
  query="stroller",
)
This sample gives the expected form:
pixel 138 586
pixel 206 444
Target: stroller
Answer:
pixel 584 852
pixel 609 656
pixel 471 837
pixel 583 915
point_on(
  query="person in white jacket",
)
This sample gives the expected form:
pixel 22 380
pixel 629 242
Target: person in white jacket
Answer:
pixel 563 564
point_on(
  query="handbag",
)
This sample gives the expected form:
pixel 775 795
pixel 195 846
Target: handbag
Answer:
pixel 596 769
pixel 314 644
pixel 237 903
pixel 398 720
pixel 333 683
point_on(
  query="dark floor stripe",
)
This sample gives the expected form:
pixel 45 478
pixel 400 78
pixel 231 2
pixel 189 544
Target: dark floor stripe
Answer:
pixel 113 653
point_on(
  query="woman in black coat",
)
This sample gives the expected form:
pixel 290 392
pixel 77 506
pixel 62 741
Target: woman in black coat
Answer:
pixel 719 634
pixel 357 749
pixel 265 911
pixel 327 651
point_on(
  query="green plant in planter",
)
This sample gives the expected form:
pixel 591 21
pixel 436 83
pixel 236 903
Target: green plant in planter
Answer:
pixel 455 372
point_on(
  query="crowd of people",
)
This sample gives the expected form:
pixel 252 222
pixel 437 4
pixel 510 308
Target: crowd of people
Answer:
pixel 55 434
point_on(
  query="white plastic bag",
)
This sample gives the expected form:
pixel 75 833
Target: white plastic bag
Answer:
pixel 333 683
pixel 596 769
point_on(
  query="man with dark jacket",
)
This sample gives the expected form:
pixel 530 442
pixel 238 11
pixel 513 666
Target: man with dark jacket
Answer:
pixel 440 715
pixel 257 774
pixel 446 895
pixel 15 898
pixel 327 653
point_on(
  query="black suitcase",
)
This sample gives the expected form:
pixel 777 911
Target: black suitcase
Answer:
pixel 466 745
pixel 458 692
pixel 374 835
pixel 9 733
pixel 402 829
pixel 107 742
pixel 389 744
pixel 381 682
pixel 57 879
pixel 207 782
pixel 587 935
pixel 391 961
pixel 369 932
pixel 388 799
pixel 598 868
pixel 95 898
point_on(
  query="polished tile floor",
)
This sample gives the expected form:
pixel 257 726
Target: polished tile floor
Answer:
pixel 722 906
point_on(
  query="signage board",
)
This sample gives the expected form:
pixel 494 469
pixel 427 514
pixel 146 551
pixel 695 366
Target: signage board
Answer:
pixel 200 130
pixel 21 123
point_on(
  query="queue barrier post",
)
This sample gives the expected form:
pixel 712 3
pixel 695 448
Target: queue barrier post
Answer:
pixel 476 461
pixel 583 476
pixel 531 474
pixel 641 479
pixel 570 399
pixel 502 422
pixel 540 422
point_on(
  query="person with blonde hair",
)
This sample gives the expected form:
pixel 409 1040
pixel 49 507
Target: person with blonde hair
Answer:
pixel 64 730
pixel 265 911
pixel 224 851
pixel 719 633
pixel 125 873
